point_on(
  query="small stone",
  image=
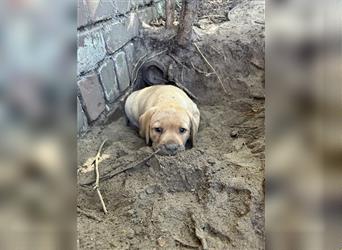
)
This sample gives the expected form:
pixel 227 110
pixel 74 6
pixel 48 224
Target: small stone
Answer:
pixel 201 151
pixel 142 196
pixel 192 190
pixel 255 109
pixel 150 190
pixel 234 133
pixel 161 241
pixel 211 161
pixel 138 230
pixel 130 233
pixel 131 212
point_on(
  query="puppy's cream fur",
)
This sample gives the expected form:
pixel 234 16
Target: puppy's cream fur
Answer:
pixel 164 115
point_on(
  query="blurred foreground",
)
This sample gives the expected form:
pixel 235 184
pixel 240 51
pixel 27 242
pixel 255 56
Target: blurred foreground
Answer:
pixel 37 121
pixel 304 125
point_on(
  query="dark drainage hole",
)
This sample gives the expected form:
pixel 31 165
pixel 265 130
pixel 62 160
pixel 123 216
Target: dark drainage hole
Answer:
pixel 151 73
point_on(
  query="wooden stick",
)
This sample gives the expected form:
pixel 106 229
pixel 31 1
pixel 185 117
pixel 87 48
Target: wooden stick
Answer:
pixel 97 156
pixel 178 61
pixel 90 216
pixel 101 200
pixel 185 244
pixel 218 52
pixel 200 71
pixel 205 59
pixel 130 166
pixel 97 182
pixel 259 22
pixel 199 232
pixel 200 236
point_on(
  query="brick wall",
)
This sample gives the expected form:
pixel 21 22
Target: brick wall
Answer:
pixel 109 45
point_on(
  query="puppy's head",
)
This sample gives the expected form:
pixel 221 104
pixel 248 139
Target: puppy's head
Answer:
pixel 168 128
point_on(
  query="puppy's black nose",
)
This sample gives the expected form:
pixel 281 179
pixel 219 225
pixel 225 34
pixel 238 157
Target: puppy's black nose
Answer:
pixel 171 147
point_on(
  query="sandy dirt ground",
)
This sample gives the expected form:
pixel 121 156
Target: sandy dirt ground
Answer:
pixel 208 197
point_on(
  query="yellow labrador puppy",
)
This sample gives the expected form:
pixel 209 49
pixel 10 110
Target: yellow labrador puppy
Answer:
pixel 165 115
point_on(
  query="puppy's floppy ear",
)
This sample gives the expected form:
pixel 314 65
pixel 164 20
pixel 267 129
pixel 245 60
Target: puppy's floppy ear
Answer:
pixel 194 119
pixel 144 124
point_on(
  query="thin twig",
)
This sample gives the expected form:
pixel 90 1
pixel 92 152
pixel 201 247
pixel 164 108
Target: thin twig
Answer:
pixel 181 86
pixel 215 16
pixel 130 166
pixel 256 65
pixel 97 157
pixel 259 22
pixel 97 182
pixel 205 59
pixel 137 63
pixel 178 61
pixel 199 232
pixel 101 200
pixel 178 83
pixel 245 127
pixel 90 216
pixel 185 244
pixel 218 52
pixel 200 71
pixel 199 235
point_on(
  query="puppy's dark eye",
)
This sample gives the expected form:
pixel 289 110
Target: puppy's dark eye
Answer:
pixel 158 130
pixel 182 130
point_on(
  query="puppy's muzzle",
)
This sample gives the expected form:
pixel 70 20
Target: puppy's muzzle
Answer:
pixel 170 148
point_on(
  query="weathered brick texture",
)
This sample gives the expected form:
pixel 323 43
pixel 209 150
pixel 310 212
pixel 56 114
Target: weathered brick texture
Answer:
pixel 92 96
pixel 101 9
pixel 109 81
pixel 123 6
pixel 121 70
pixel 136 3
pixel 91 49
pixel 146 15
pixel 109 46
pixel 118 33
